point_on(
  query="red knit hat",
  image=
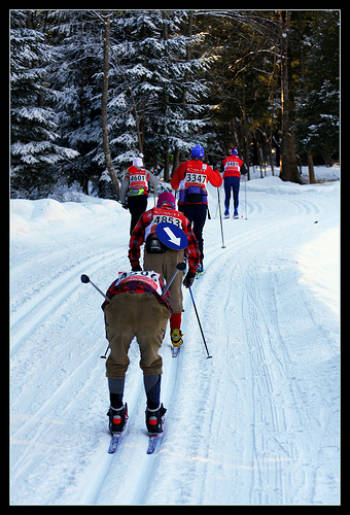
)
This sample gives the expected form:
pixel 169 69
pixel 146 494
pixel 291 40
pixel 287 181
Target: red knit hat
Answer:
pixel 166 198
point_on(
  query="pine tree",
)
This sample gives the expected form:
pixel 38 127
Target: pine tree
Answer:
pixel 176 78
pixel 157 86
pixel 317 95
pixel 35 154
pixel 76 73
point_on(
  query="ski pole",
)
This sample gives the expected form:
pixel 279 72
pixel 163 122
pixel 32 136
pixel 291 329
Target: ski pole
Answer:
pixel 86 279
pixel 216 210
pixel 245 196
pixel 179 266
pixel 104 356
pixel 199 323
pixel 222 230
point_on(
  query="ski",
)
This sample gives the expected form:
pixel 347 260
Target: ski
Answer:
pixel 114 443
pixel 175 351
pixel 154 442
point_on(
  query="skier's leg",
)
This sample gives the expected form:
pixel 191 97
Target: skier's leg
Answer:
pixel 151 326
pixel 137 206
pixel 152 389
pixel 116 391
pixel 120 319
pixel 227 187
pixel 197 214
pixel 236 184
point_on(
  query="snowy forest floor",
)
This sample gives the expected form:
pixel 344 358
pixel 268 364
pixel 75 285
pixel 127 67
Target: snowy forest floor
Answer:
pixel 259 424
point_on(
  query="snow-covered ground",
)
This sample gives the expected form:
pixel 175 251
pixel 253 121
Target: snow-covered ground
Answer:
pixel 258 424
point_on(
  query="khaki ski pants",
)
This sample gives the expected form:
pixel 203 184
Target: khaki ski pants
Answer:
pixel 139 315
pixel 165 264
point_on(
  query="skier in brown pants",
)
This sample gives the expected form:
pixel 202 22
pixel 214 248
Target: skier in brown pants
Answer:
pixel 137 308
pixel 163 260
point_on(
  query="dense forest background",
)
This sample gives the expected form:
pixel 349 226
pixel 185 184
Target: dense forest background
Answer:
pixel 91 89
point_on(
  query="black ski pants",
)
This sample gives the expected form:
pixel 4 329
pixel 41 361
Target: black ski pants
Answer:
pixel 197 214
pixel 137 206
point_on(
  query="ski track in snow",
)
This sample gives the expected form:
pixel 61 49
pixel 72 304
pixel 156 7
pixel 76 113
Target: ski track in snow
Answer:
pixel 256 424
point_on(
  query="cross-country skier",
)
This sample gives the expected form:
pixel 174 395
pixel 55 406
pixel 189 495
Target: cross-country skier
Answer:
pixel 162 259
pixel 191 177
pixel 134 190
pixel 137 308
pixel 232 166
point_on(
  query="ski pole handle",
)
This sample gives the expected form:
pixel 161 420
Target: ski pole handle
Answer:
pixel 86 279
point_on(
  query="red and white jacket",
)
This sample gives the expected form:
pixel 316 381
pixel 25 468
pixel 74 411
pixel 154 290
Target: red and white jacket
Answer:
pixel 138 181
pixel 232 166
pixel 147 225
pixel 139 282
pixel 192 177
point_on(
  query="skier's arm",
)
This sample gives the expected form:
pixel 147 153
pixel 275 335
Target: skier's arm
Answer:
pixel 178 175
pixel 192 251
pixel 214 177
pixel 136 240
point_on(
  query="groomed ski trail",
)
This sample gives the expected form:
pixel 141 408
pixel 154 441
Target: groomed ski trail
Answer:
pixel 257 424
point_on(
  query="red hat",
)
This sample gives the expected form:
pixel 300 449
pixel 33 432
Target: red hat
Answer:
pixel 166 198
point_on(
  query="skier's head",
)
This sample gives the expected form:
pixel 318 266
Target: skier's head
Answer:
pixel 166 198
pixel 233 151
pixel 137 161
pixel 197 152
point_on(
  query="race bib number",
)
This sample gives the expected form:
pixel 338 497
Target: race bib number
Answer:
pixel 137 178
pixel 232 166
pixel 158 219
pixel 195 178
pixel 137 181
pixel 149 277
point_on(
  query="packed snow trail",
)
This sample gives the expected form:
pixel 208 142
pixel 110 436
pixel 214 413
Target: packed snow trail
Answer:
pixel 257 424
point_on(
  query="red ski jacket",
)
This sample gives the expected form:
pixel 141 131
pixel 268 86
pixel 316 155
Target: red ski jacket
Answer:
pixel 138 181
pixel 139 282
pixel 232 166
pixel 147 225
pixel 192 177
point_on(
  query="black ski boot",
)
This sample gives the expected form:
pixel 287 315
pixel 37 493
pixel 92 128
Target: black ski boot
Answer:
pixel 155 419
pixel 117 419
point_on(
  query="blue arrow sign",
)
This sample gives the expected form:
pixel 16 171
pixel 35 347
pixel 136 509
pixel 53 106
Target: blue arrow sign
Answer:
pixel 172 236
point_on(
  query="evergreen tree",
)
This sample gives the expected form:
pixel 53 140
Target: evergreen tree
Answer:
pixel 317 96
pixel 157 86
pixel 246 82
pixel 76 73
pixel 35 155
pixel 176 78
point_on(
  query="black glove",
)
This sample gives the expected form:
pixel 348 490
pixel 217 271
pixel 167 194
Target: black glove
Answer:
pixel 136 268
pixel 189 279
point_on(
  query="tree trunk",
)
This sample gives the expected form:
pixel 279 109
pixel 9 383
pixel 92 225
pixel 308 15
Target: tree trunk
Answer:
pixel 176 160
pixel 106 148
pixel 310 163
pixel 270 156
pixel 166 173
pixel 288 162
